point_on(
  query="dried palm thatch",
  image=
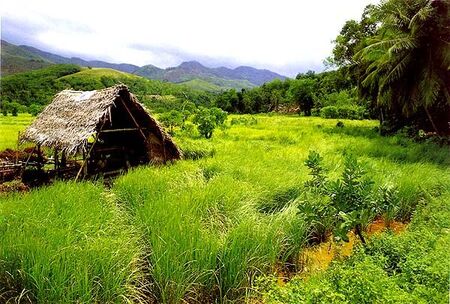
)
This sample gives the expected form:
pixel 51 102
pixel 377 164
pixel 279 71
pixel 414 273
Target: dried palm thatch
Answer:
pixel 73 117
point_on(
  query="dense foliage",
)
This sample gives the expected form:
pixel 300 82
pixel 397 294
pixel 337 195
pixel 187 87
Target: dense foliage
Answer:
pixel 307 94
pixel 392 64
pixel 399 54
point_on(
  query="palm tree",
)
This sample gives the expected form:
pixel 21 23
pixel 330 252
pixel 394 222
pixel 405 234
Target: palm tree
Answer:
pixel 408 60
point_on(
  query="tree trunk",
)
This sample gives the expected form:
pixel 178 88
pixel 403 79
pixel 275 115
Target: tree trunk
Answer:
pixel 359 234
pixel 431 120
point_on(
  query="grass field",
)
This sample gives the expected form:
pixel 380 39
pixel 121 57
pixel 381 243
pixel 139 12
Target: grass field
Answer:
pixel 202 231
pixel 10 127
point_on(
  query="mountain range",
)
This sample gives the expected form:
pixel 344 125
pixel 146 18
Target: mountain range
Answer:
pixel 20 58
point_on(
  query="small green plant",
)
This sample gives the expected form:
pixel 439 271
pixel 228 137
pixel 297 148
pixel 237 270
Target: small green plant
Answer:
pixel 351 203
pixel 318 182
pixel 353 199
pixel 317 212
pixel 388 203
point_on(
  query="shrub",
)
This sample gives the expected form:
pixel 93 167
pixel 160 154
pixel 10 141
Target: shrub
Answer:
pixel 244 120
pixel 352 202
pixel 329 112
pixel 344 112
pixel 34 109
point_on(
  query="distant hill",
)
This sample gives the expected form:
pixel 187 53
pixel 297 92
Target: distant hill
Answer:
pixel 22 58
pixel 14 59
pixel 243 77
pixel 124 67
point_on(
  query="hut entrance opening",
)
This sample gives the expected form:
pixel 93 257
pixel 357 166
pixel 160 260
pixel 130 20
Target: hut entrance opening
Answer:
pixel 121 142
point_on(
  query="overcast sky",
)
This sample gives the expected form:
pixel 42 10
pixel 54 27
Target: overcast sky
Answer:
pixel 284 36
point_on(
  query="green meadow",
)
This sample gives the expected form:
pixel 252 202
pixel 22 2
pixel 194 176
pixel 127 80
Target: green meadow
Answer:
pixel 217 228
pixel 10 126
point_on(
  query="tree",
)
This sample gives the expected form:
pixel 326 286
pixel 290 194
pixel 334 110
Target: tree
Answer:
pixel 14 108
pixel 34 109
pixel 407 60
pixel 208 119
pixel 205 122
pixel 172 119
pixel 220 116
pixel 228 100
pixel 302 93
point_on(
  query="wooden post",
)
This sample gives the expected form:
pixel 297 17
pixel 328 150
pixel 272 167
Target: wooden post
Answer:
pixel 164 147
pixel 40 157
pixel 63 159
pixel 86 157
pixel 55 158
pixel 17 150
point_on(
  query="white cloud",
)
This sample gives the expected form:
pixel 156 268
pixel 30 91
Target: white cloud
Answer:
pixel 281 35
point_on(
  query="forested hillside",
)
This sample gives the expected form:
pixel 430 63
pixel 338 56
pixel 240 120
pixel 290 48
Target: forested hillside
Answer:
pixel 31 90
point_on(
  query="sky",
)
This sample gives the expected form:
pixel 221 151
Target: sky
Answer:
pixel 285 36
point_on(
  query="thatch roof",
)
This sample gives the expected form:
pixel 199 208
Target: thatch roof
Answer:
pixel 73 116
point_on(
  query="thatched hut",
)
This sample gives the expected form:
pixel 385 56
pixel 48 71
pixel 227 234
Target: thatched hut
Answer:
pixel 109 127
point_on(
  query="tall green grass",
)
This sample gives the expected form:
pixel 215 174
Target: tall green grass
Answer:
pixel 67 243
pixel 206 227
pixel 215 223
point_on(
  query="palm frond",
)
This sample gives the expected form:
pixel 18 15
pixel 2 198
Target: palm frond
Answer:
pixel 421 16
pixel 398 71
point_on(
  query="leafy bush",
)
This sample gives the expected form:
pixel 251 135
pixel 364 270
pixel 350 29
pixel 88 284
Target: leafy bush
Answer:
pixel 244 120
pixel 329 112
pixel 341 98
pixel 34 109
pixel 352 201
pixel 344 112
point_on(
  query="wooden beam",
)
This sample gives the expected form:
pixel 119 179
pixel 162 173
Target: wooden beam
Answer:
pixel 122 130
pixel 134 120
